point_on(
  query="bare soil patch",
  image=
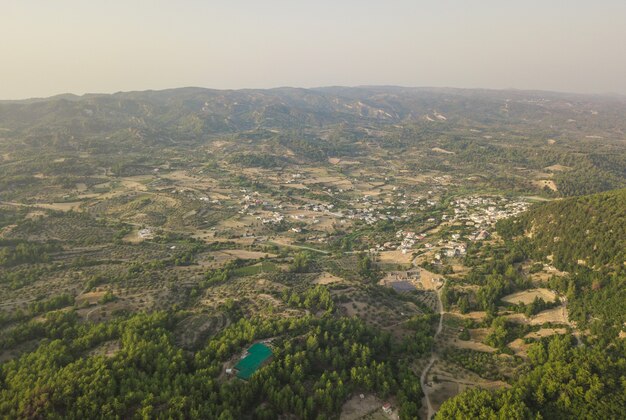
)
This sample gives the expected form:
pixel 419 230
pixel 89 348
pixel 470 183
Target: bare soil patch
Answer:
pixel 395 257
pixel 556 315
pixel 356 408
pixel 440 150
pixel 327 278
pixel 557 168
pixel 527 296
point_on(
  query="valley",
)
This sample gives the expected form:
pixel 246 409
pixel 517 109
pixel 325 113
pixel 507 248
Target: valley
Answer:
pixel 402 253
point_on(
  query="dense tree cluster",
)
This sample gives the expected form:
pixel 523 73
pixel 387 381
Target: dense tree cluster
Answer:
pixel 564 381
pixel 585 236
pixel 317 364
pixel 315 299
pixel 589 230
pixel 486 365
pixel 256 160
pixel 21 252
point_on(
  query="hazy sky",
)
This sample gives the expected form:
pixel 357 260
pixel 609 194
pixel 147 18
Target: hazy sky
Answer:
pixel 55 46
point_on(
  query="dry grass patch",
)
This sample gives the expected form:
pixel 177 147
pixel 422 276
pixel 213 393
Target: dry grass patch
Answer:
pixel 395 257
pixel 528 296
pixel 518 318
pixel 477 316
pixel 440 150
pixel 90 298
pixel 429 280
pixel 519 347
pixel 542 183
pixel 133 237
pixel 557 168
pixel 473 345
pixel 450 383
pixel 556 315
pixel 357 407
pixel 69 206
pixel 546 332
pixel 327 278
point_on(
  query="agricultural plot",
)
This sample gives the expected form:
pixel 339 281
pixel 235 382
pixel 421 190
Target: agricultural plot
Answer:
pixel 528 296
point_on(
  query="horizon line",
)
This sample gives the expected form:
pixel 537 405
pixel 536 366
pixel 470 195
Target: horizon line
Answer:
pixel 370 86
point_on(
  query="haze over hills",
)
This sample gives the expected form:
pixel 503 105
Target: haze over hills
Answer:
pixel 235 110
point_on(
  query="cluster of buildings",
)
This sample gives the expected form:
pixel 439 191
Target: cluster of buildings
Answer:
pixel 146 233
pixel 478 213
pixel 408 240
pixel 322 207
pixel 208 200
pixel 483 212
pixel 275 218
pixel 295 178
pixel 451 250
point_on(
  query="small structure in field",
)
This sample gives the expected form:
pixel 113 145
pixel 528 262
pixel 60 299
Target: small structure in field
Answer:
pixel 402 281
pixel 387 408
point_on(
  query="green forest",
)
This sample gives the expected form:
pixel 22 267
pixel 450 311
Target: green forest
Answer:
pixel 587 237
pixel 317 363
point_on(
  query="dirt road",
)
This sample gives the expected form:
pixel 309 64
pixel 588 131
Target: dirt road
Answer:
pixel 433 358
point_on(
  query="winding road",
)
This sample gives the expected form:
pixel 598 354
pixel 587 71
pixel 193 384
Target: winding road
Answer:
pixel 433 357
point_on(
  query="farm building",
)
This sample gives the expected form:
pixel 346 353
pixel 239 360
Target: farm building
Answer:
pixel 402 281
pixel 402 275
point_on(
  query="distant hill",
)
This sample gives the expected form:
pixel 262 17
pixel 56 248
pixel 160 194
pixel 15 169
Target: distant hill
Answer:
pixel 487 131
pixel 208 111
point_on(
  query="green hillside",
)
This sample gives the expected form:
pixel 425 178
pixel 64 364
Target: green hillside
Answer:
pixel 588 231
pixel 586 237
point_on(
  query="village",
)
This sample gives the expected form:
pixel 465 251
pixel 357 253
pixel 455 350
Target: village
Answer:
pixel 302 220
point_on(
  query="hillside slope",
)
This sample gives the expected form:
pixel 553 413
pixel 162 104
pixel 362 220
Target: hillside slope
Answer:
pixel 587 237
pixel 581 231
